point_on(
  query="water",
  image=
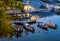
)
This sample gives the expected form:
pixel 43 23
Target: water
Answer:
pixel 39 34
pixel 35 3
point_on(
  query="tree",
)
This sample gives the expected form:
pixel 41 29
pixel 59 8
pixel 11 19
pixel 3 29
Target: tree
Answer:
pixel 5 24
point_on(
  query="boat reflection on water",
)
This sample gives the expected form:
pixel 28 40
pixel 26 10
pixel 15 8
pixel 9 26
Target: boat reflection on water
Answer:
pixel 9 35
pixel 6 34
pixel 17 34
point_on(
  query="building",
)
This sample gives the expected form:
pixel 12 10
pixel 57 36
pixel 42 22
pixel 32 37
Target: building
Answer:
pixel 28 7
pixel 13 11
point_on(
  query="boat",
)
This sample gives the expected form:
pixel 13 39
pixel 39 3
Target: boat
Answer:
pixel 21 22
pixel 31 22
pixel 28 27
pixel 51 25
pixel 33 19
pixel 18 23
pixel 17 28
pixel 42 25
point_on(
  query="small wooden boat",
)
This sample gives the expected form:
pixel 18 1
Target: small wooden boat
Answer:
pixel 51 25
pixel 42 25
pixel 22 23
pixel 29 28
pixel 17 28
pixel 18 23
pixel 31 22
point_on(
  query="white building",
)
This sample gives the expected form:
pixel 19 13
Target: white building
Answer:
pixel 28 7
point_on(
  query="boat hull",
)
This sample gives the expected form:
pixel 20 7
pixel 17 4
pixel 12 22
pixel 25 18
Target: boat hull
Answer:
pixel 43 27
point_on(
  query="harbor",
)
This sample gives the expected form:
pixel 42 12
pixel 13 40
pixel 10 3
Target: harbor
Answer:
pixel 39 21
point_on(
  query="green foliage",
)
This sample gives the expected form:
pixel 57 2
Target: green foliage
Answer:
pixel 19 5
pixel 5 25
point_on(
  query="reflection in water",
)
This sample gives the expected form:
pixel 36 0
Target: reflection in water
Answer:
pixel 17 35
pixel 7 35
pixel 26 32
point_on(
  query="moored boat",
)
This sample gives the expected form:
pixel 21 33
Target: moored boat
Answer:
pixel 42 25
pixel 17 28
pixel 28 27
pixel 17 22
pixel 51 25
pixel 31 22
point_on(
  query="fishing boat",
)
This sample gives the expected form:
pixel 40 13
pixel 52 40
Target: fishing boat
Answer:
pixel 51 25
pixel 17 28
pixel 28 27
pixel 31 22
pixel 42 25
pixel 18 23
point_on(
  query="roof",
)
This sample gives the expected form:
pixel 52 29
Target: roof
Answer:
pixel 28 7
pixel 13 11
